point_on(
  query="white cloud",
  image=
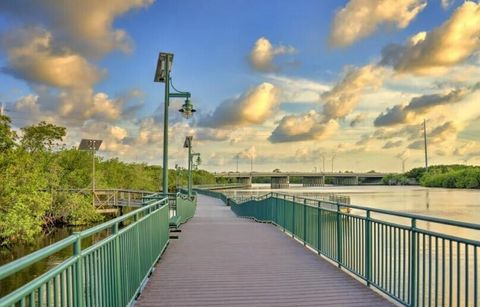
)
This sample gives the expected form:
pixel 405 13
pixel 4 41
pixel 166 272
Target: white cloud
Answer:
pixel 446 3
pixel 421 105
pixel 434 52
pixel 263 52
pixel 298 89
pixel 304 127
pixel 86 26
pixel 344 96
pixel 251 108
pixel 360 18
pixel 33 56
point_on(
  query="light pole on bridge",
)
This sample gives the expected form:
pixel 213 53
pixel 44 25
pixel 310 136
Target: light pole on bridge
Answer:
pixel 188 144
pixel 162 74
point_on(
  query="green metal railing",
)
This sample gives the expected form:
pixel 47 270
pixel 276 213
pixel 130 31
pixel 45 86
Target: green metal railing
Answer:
pixel 186 207
pixel 416 260
pixel 110 272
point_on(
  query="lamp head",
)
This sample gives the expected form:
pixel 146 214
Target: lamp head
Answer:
pixel 187 109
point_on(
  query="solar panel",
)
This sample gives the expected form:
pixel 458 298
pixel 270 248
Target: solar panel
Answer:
pixel 89 144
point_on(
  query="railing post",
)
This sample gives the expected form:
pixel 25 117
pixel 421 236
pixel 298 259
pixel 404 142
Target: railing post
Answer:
pixel 368 246
pixel 413 260
pixel 77 252
pixel 339 237
pixel 284 213
pixel 118 286
pixel 293 217
pixel 319 228
pixel 304 221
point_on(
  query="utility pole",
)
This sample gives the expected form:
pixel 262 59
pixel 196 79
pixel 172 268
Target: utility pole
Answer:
pixel 403 165
pixel 425 141
pixel 333 158
pixel 237 161
pixel 323 159
pixel 251 164
pixel 2 110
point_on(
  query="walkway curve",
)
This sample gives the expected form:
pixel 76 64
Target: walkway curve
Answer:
pixel 223 260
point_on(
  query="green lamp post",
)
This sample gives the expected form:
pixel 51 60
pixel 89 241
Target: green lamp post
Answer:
pixel 162 74
pixel 188 144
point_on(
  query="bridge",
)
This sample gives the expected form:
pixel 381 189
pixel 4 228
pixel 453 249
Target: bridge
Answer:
pixel 281 180
pixel 276 249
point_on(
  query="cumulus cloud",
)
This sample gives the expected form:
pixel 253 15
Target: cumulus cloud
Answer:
pixel 263 53
pixel 53 49
pixel 392 144
pixel 443 133
pixel 339 102
pixel 360 18
pixel 298 89
pixel 248 153
pixel 434 52
pixel 344 96
pixel 446 3
pixel 209 134
pixel 400 114
pixel 358 119
pixel 86 26
pixel 304 127
pixel 251 108
pixel 33 56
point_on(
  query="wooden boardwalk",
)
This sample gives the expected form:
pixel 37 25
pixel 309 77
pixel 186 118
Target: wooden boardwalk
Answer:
pixel 223 260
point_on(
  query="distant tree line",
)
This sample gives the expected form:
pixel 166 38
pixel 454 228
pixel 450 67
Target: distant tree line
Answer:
pixel 446 176
pixel 36 170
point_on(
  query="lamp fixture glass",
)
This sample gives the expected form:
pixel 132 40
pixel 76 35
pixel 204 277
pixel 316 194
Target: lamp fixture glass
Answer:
pixel 187 109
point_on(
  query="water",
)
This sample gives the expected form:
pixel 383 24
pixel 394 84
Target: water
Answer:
pixel 454 204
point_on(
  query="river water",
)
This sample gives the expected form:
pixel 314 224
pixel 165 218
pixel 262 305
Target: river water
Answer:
pixel 454 204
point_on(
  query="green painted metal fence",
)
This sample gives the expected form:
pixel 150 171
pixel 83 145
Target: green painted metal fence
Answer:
pixel 416 260
pixel 180 204
pixel 110 272
pixel 186 207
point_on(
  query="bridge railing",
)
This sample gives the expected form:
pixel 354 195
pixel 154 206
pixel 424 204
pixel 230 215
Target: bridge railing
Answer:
pixel 109 272
pixel 180 204
pixel 416 260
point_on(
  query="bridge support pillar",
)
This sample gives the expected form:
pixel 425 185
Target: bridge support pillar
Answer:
pixel 245 181
pixel 280 182
pixel 313 181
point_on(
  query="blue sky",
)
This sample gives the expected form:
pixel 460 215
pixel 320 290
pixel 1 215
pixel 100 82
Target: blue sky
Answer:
pixel 280 81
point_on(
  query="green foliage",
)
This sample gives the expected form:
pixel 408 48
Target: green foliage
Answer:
pixel 42 136
pixel 72 209
pixel 22 201
pixel 395 179
pixel 452 176
pixel 32 178
pixel 443 176
pixel 7 135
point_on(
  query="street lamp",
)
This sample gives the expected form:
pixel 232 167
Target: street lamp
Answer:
pixel 162 74
pixel 188 144
pixel 93 146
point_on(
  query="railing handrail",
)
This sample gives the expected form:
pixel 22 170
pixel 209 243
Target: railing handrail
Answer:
pixel 395 213
pixel 21 263
pixel 418 217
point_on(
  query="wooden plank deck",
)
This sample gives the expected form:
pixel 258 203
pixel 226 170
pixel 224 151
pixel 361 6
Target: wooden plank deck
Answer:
pixel 223 260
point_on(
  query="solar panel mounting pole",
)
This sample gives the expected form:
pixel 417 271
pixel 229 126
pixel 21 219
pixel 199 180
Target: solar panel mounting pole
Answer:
pixel 93 146
pixel 162 74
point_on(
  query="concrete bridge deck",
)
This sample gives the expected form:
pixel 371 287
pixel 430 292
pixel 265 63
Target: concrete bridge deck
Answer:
pixel 223 260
